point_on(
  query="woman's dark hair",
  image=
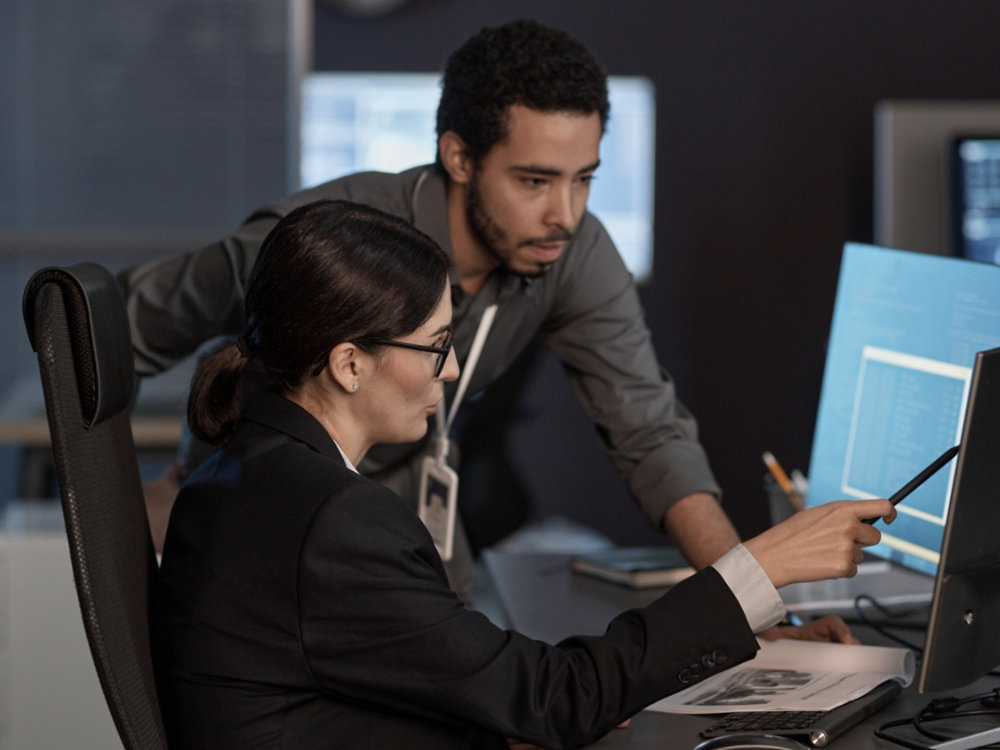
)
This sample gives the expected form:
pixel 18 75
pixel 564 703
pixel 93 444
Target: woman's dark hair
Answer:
pixel 328 272
pixel 521 62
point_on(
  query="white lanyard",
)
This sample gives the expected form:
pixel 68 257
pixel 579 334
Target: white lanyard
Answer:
pixel 444 423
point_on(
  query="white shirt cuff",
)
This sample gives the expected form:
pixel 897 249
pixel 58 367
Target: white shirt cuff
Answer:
pixel 753 590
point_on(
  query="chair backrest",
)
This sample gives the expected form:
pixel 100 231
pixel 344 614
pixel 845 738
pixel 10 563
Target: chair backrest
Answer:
pixel 78 326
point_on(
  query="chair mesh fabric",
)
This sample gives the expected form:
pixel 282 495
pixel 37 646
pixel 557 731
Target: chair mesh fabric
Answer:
pixel 97 467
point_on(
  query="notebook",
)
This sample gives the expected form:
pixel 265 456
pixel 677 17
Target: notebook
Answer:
pixel 635 567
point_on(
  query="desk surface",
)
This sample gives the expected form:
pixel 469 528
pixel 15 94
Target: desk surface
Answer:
pixel 147 432
pixel 544 599
pixel 156 421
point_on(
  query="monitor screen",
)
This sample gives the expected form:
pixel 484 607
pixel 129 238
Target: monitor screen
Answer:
pixel 906 329
pixel 386 121
pixel 962 643
pixel 975 193
pixel 912 138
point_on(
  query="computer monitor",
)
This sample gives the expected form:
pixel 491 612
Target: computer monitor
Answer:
pixel 905 333
pixel 975 196
pixel 911 167
pixel 962 641
pixel 386 121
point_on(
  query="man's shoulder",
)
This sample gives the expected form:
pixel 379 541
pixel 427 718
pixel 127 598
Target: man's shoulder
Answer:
pixel 388 191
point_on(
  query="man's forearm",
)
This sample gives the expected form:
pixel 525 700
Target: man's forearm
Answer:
pixel 700 529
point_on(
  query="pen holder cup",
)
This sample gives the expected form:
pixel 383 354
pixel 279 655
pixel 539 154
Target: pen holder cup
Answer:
pixel 779 505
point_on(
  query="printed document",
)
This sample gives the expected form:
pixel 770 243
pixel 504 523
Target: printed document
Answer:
pixel 789 675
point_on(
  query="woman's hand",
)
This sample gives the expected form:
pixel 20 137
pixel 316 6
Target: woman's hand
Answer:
pixel 821 542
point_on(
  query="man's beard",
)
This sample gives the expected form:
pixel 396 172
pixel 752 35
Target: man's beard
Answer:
pixel 495 239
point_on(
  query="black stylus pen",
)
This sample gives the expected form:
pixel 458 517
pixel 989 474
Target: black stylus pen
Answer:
pixel 920 478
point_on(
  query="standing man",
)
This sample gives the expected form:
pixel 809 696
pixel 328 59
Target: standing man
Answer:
pixel 522 112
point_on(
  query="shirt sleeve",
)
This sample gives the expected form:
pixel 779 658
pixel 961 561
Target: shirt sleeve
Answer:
pixel 760 601
pixel 176 304
pixel 596 326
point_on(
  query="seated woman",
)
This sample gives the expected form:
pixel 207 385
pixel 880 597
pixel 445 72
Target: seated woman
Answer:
pixel 301 605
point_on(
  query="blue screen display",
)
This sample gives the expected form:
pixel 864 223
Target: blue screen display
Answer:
pixel 905 332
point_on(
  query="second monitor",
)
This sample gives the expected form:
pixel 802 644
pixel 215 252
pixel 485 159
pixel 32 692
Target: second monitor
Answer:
pixel 906 329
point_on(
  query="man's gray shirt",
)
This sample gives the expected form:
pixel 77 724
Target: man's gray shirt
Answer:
pixel 585 310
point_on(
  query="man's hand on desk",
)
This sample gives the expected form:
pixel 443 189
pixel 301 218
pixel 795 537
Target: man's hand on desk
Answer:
pixel 831 628
pixel 160 494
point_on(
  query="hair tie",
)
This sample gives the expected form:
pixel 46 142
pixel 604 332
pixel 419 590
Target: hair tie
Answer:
pixel 243 347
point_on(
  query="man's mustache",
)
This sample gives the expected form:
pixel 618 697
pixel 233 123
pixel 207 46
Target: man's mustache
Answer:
pixel 561 236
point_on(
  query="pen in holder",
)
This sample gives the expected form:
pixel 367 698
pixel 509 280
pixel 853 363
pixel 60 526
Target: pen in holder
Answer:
pixel 779 503
pixel 783 488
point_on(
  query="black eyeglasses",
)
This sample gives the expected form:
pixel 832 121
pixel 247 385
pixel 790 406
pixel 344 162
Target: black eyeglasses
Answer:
pixel 441 351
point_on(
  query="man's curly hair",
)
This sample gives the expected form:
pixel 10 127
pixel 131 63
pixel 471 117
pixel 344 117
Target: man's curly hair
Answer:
pixel 521 62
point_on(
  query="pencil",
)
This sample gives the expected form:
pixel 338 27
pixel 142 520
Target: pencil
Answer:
pixel 782 479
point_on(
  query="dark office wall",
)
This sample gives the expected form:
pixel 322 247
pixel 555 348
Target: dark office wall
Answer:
pixel 131 129
pixel 140 114
pixel 764 170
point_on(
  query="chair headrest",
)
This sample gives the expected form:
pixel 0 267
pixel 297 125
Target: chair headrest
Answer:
pixel 101 342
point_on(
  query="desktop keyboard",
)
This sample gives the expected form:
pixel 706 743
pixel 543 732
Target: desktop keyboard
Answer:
pixel 818 728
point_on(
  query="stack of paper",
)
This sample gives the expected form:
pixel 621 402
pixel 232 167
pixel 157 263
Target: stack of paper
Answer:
pixel 792 675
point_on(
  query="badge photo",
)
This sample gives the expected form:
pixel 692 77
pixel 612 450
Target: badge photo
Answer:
pixel 438 500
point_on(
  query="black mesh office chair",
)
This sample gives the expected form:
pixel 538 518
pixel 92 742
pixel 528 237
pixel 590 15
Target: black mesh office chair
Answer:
pixel 77 324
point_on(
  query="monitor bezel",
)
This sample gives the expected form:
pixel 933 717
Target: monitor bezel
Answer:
pixel 961 643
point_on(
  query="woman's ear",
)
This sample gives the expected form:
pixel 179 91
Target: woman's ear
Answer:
pixel 455 157
pixel 344 365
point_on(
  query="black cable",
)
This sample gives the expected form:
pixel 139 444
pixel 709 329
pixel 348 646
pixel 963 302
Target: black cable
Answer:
pixel 939 709
pixel 971 713
pixel 882 733
pixel 880 627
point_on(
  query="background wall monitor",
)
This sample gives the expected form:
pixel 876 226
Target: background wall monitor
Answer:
pixel 352 122
pixel 905 333
pixel 962 641
pixel 975 196
pixel 912 143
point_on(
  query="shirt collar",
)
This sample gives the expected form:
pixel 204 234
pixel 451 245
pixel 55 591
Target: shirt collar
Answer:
pixel 347 461
pixel 276 412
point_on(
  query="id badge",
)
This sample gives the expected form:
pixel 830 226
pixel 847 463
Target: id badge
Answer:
pixel 438 498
